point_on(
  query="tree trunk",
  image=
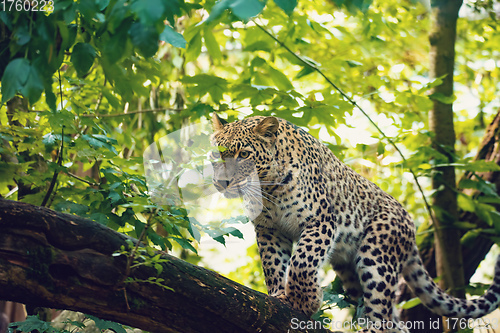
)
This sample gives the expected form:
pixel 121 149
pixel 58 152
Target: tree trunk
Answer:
pixel 449 263
pixel 64 261
pixel 474 253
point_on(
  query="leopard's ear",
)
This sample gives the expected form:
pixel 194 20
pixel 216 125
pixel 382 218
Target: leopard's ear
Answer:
pixel 217 122
pixel 267 127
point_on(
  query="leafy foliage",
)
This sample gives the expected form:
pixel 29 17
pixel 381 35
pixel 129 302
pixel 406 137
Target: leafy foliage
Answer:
pixel 34 324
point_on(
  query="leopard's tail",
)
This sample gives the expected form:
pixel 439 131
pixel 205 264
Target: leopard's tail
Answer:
pixel 443 304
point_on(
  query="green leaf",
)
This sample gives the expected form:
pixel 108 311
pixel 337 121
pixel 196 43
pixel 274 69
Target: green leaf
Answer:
pixel 186 244
pixel 71 207
pixel 304 72
pixel 212 45
pixel 442 98
pixel 50 139
pixel 88 9
pixel 213 85
pixel 115 102
pixel 354 5
pixel 193 229
pixel 260 45
pixel 116 15
pixel 104 325
pixel 243 9
pixel 380 148
pixel 280 79
pixel 148 11
pixel 20 76
pixel 466 203
pixel 171 36
pixel 470 236
pixel 476 166
pixel 21 35
pixel 286 5
pixel 220 239
pixel 246 9
pixel 411 303
pixel 495 217
pixel 116 75
pixel 14 77
pixel 114 197
pixel 218 9
pixel 240 219
pixel 236 233
pixel 480 185
pixel 483 211
pixel 172 8
pixel 100 141
pixel 193 47
pixel 464 225
pixel 102 4
pixel 33 323
pixel 50 97
pixel 145 38
pixel 353 63
pixel 82 58
pixel 115 45
pixel 33 87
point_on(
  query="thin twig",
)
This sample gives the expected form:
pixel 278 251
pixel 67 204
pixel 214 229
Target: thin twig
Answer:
pixel 119 114
pixel 130 258
pixel 81 179
pixel 139 240
pixel 56 172
pixel 130 112
pixel 350 100
pixel 59 157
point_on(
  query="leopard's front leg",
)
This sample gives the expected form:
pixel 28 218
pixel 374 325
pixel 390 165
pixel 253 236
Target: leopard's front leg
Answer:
pixel 303 290
pixel 275 251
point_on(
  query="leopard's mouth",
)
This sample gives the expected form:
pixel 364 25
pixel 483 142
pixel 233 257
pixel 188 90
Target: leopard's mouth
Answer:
pixel 230 195
pixel 230 189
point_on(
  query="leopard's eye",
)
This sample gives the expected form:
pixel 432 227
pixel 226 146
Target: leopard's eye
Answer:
pixel 214 155
pixel 244 154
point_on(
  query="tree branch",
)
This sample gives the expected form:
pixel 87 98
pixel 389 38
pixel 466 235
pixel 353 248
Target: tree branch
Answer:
pixel 63 261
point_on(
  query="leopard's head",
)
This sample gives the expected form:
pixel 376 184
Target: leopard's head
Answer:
pixel 244 154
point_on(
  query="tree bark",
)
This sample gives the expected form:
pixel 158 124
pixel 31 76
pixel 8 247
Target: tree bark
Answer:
pixel 63 261
pixel 474 253
pixel 449 262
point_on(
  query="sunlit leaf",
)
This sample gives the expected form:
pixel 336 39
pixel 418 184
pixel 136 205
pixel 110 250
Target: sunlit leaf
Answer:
pixel 245 9
pixel 171 36
pixel 287 5
pixel 442 98
pixel 193 47
pixel 212 45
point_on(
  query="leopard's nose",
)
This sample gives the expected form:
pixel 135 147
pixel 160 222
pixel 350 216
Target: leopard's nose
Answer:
pixel 223 183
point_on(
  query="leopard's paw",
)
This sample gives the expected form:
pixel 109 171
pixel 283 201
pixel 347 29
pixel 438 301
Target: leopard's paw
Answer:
pixel 307 303
pixel 278 293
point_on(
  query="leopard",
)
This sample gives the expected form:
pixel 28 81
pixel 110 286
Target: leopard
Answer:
pixel 316 210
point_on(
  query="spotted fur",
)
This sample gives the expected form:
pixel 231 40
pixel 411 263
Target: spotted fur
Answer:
pixel 333 214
